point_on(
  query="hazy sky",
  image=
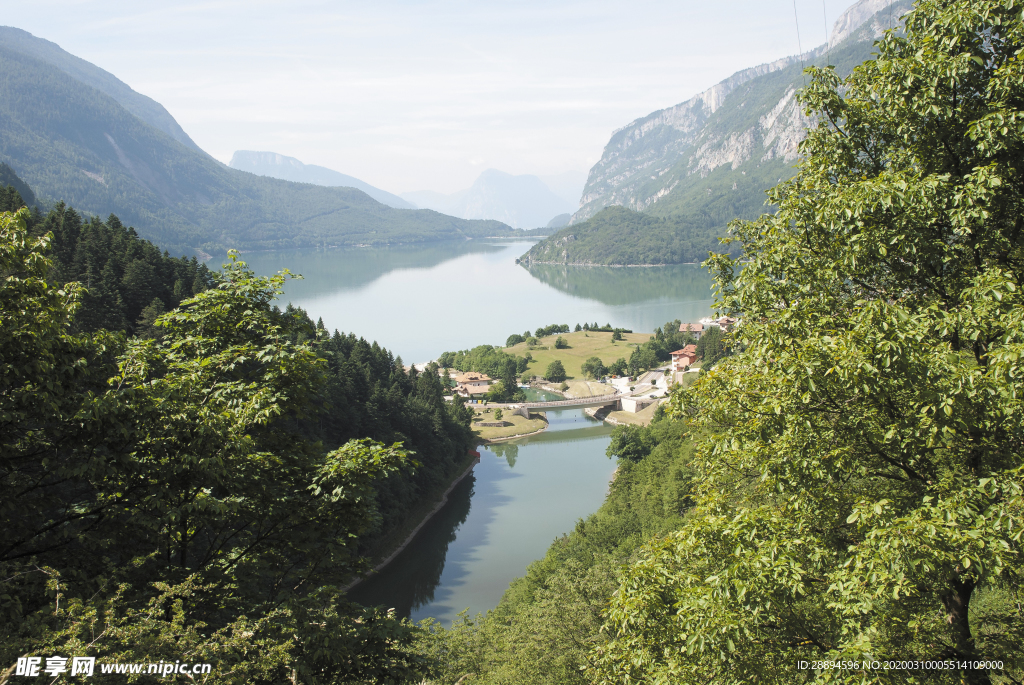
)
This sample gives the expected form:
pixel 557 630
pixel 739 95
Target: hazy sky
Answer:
pixel 422 95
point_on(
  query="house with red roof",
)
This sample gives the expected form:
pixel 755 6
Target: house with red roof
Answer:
pixel 684 358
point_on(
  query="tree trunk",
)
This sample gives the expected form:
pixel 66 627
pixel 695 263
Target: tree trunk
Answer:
pixel 957 602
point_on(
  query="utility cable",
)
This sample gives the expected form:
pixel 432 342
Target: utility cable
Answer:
pixel 828 43
pixel 799 47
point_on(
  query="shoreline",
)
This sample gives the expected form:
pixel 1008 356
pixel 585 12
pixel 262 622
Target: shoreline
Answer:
pixel 513 437
pixel 614 266
pixel 415 531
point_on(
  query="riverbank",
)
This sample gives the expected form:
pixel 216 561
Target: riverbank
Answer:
pixel 511 425
pixel 386 551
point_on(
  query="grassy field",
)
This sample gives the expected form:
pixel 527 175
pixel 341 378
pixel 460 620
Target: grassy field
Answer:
pixel 582 346
pixel 520 425
pixel 588 389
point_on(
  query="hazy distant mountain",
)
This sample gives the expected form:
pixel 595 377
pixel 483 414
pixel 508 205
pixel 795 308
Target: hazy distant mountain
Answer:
pixel 150 111
pixel 567 185
pixel 519 201
pixel 559 221
pixel 73 132
pixel 290 169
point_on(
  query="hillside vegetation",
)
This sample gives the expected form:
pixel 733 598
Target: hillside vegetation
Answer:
pixel 846 486
pixel 170 435
pixel 620 236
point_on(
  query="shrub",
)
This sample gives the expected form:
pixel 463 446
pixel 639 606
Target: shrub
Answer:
pixel 555 372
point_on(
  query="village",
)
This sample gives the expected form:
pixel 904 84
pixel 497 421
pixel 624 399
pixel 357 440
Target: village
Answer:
pixel 612 398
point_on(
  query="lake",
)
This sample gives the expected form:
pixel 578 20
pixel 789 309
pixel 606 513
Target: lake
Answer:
pixel 419 301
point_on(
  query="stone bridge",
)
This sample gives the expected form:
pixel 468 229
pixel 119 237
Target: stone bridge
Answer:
pixel 574 403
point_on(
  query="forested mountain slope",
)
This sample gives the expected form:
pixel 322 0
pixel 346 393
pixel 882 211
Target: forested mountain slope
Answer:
pixel 72 142
pixel 262 424
pixel 147 109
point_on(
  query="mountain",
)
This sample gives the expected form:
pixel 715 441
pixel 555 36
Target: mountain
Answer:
pixel 559 221
pixel 567 185
pixel 660 162
pixel 64 133
pixel 290 169
pixel 620 236
pixel 519 201
pixel 10 179
pixel 708 160
pixel 150 111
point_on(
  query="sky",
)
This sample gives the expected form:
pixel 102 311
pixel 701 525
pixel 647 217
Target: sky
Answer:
pixel 422 95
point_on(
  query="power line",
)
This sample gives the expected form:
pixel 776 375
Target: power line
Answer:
pixel 828 44
pixel 799 47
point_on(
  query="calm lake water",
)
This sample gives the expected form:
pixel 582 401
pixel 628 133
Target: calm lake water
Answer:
pixel 420 301
pixel 521 496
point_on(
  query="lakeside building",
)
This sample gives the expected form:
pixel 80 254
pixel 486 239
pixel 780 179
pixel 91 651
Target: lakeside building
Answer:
pixel 472 384
pixel 684 358
pixel 723 322
pixel 694 329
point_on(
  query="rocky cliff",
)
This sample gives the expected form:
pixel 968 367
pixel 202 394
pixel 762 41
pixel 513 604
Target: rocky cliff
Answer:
pixel 749 125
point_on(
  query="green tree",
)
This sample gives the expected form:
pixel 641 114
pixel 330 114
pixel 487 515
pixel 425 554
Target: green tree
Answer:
pixel 631 443
pixel 619 367
pixel 593 368
pixel 711 347
pixel 561 343
pixel 616 335
pixel 146 327
pixel 498 414
pixel 514 339
pixel 555 372
pixel 161 490
pixel 860 486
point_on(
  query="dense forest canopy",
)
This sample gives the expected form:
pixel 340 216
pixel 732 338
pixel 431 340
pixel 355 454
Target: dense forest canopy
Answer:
pixel 230 459
pixel 860 486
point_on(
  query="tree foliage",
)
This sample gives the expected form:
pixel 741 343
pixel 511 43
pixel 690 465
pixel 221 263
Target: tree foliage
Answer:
pixel 555 372
pixel 163 499
pixel 593 367
pixel 860 491
pixel 548 623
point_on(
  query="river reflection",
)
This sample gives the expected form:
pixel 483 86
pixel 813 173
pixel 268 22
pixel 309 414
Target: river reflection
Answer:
pixel 328 271
pixel 521 496
pixel 627 285
pixel 420 301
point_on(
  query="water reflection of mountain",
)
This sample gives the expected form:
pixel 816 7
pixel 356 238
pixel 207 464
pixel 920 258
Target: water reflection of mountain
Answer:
pixel 329 271
pixel 627 284
pixel 410 580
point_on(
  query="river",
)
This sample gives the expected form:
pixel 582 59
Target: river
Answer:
pixel 521 496
pixel 419 301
